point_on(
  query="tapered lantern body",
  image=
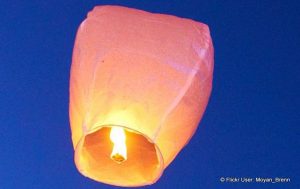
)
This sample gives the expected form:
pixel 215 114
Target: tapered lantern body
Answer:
pixel 139 85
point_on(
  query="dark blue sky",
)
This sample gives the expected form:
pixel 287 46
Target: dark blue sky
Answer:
pixel 250 128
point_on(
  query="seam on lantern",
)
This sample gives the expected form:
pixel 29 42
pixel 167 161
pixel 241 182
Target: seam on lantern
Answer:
pixel 178 99
pixel 205 32
pixel 81 31
pixel 91 88
pixel 175 103
pixel 87 89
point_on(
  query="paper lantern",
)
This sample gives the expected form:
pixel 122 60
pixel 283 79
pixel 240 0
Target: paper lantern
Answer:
pixel 139 85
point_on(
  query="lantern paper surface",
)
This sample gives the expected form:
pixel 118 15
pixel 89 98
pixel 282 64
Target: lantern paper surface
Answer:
pixel 150 74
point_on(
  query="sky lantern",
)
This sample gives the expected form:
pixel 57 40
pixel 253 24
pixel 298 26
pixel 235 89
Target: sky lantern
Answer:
pixel 139 85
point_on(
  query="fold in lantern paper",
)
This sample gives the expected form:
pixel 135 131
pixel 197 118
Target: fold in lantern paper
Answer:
pixel 150 74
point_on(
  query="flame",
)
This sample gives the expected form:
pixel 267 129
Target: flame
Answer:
pixel 118 138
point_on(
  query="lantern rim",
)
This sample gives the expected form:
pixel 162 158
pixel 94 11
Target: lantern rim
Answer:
pixel 78 160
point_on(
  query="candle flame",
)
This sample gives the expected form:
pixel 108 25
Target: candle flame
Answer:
pixel 118 138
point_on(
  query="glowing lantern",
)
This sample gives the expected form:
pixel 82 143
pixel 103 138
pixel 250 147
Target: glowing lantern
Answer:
pixel 139 85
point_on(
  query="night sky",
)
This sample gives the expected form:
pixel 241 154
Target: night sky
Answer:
pixel 251 125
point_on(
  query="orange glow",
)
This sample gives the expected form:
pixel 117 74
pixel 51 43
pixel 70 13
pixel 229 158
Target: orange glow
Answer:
pixel 139 86
pixel 118 137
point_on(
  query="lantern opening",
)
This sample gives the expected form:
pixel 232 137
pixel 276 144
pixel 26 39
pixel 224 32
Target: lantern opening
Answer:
pixel 118 138
pixel 95 157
